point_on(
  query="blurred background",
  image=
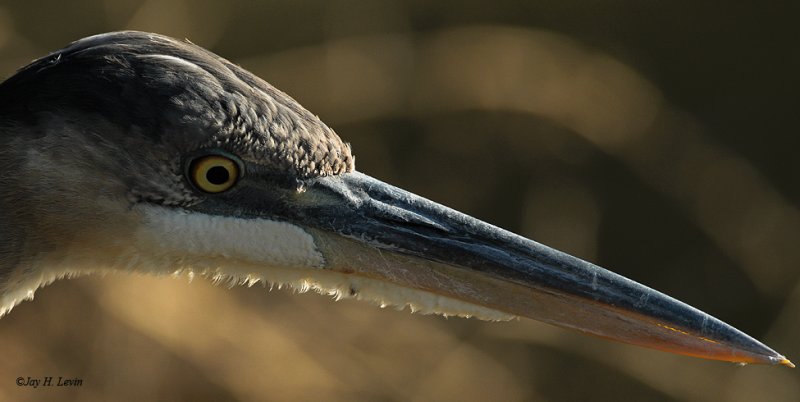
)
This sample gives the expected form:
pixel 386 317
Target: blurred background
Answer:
pixel 656 139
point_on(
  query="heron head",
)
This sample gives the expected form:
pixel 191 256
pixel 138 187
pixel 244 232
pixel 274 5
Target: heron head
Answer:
pixel 131 151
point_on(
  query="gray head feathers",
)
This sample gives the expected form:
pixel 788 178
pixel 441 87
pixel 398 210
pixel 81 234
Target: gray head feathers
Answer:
pixel 177 95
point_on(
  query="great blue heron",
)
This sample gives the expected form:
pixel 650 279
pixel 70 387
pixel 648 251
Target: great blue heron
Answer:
pixel 134 151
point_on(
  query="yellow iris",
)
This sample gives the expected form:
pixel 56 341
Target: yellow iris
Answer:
pixel 214 173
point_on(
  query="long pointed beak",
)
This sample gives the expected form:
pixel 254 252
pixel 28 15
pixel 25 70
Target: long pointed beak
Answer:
pixel 421 245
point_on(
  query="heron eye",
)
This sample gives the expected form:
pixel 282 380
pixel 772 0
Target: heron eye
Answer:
pixel 214 173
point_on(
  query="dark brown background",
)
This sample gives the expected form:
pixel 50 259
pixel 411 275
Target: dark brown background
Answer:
pixel 655 138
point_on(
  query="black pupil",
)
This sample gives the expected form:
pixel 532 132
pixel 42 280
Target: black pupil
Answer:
pixel 218 175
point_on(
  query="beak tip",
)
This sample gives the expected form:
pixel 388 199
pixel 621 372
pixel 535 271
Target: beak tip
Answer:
pixel 777 360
